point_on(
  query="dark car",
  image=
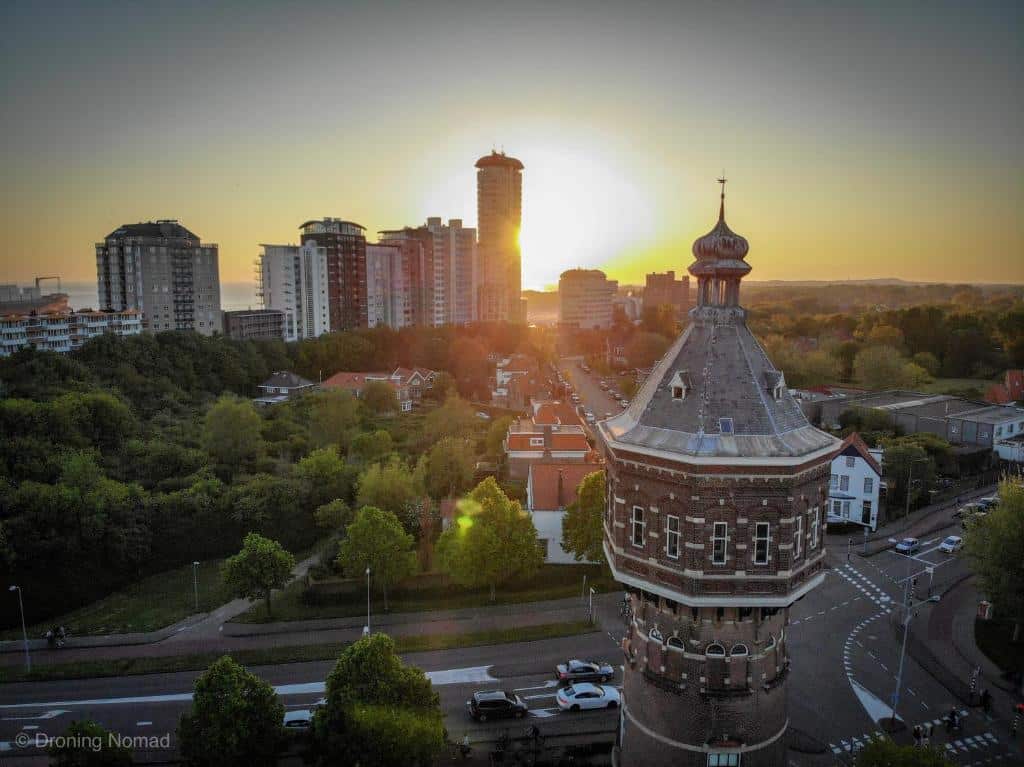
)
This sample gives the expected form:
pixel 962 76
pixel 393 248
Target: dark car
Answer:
pixel 583 671
pixel 495 704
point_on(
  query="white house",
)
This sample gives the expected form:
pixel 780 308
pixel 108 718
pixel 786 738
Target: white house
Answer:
pixel 853 489
pixel 550 487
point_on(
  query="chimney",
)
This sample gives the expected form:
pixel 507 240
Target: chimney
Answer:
pixel 561 503
pixel 547 436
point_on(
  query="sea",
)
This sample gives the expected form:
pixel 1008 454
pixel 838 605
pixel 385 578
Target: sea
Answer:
pixel 233 295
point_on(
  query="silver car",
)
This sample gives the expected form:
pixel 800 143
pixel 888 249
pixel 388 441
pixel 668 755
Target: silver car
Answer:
pixel 583 671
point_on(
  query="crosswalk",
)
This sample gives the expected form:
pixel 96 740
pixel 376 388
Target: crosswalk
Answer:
pixel 865 586
pixel 966 750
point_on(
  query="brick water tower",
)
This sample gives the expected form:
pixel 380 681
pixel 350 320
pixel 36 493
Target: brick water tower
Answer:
pixel 715 522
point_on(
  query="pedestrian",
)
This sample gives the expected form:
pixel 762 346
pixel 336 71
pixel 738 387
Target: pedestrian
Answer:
pixel 927 734
pixel 986 702
pixel 917 735
pixel 465 747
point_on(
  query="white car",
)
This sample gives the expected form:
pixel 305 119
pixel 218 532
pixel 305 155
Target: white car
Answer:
pixel 299 719
pixel 584 695
pixel 952 544
pixel 908 546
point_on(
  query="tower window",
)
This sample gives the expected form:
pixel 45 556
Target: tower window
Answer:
pixel 739 649
pixel 814 528
pixel 725 425
pixel 798 536
pixel 762 539
pixel 715 649
pixel 719 543
pixel 637 527
pixel 672 537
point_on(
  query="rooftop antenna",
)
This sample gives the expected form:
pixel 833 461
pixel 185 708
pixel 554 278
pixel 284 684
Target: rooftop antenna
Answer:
pixel 721 208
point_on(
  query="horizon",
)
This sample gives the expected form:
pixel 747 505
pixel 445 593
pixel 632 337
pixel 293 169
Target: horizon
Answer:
pixel 871 143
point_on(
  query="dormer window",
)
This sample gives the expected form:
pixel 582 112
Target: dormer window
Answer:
pixel 680 385
pixel 775 383
pixel 725 425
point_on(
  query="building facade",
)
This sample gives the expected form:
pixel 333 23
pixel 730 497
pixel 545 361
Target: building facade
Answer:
pixel 665 289
pixel 550 488
pixel 716 488
pixel 163 271
pixel 418 258
pixel 499 206
pixel 252 324
pixel 292 279
pixel 344 243
pixel 455 272
pixel 585 299
pixel 854 484
pixel 63 332
pixel 392 288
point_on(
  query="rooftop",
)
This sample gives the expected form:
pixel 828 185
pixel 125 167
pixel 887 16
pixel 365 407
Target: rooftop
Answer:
pixel 162 229
pixel 285 379
pixel 498 160
pixel 545 493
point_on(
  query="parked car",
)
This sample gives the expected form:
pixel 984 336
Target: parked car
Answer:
pixel 584 695
pixel 575 397
pixel 298 719
pixel 495 704
pixel 607 415
pixel 989 503
pixel 952 544
pixel 482 415
pixel 584 671
pixel 624 402
pixel 908 546
pixel 590 417
pixel 966 510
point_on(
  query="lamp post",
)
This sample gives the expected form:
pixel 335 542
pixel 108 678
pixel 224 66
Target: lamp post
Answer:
pixel 908 607
pixel 910 475
pixel 195 582
pixel 367 632
pixel 24 631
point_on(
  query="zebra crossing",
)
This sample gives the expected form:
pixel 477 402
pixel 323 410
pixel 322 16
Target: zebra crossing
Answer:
pixel 865 586
pixel 969 751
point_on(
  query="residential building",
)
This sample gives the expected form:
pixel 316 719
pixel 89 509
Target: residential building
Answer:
pixel 550 488
pixel 15 299
pixel 250 324
pixel 293 279
pixel 409 384
pixel 716 487
pixel 63 332
pixel 499 201
pixel 585 299
pixel 523 448
pixel 1009 391
pixel 517 380
pixel 665 289
pixel 455 273
pixel 417 263
pixel 344 242
pixel 1011 448
pixel 390 290
pixel 163 271
pixel 282 386
pixel 854 484
pixel 630 305
pixel 616 346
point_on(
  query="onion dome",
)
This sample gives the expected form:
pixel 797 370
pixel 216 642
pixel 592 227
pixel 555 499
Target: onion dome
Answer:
pixel 721 251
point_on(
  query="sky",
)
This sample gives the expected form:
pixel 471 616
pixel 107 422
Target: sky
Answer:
pixel 861 140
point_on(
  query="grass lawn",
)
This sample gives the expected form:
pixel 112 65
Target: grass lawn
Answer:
pixel 286 654
pixel 552 582
pixel 150 604
pixel 940 385
pixel 993 638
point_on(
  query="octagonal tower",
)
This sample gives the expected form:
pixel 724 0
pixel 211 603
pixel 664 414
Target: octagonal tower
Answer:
pixel 716 487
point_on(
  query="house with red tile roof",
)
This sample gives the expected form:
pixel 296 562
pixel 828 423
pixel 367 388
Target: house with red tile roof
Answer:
pixel 550 488
pixel 523 448
pixel 408 383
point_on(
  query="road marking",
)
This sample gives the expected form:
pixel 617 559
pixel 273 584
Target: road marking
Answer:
pixel 143 724
pixel 547 685
pixel 544 713
pixel 30 727
pixel 48 715
pixel 540 697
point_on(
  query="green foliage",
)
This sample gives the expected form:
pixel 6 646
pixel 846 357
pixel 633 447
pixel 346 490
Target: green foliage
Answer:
pixel 492 541
pixel 928 361
pixel 334 516
pixel 87 744
pixel 378 711
pixel 864 419
pixel 880 367
pixel 260 567
pixel 496 433
pixel 391 486
pixel 660 320
pixel 905 460
pixel 994 544
pixel 882 752
pixel 371 446
pixel 448 468
pixel 455 418
pixel 377 540
pixel 333 418
pixel 235 720
pixel 646 348
pixel 324 476
pixel 380 397
pixel 582 529
pixel 232 433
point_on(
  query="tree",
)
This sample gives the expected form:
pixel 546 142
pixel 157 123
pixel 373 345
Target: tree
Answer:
pixel 390 486
pixel 494 442
pixel 334 516
pixel 377 540
pixel 333 416
pixel 582 529
pixel 325 476
pixel 928 361
pixel 378 711
pixel 904 460
pixel 885 335
pixel 879 367
pixel 371 446
pixel 492 541
pixel 645 349
pixel 448 468
pixel 660 319
pixel 455 418
pixel 87 744
pixel 380 397
pixel 882 752
pixel 994 545
pixel 260 567
pixel 231 432
pixel 235 719
pixel 271 505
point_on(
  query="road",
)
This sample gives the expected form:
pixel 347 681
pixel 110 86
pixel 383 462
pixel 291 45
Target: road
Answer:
pixel 588 386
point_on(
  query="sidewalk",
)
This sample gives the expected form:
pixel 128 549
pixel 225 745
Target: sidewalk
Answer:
pixel 918 524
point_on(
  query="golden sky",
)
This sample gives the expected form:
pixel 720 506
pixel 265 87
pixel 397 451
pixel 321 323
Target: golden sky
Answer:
pixel 876 141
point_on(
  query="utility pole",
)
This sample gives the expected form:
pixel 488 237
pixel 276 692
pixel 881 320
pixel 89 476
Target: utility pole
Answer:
pixel 24 631
pixel 908 607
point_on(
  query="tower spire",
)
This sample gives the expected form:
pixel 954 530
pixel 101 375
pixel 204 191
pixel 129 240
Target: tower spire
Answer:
pixel 721 207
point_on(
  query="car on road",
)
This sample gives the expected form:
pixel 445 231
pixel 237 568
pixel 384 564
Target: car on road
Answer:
pixel 607 415
pixel 989 503
pixel 953 543
pixel 482 415
pixel 624 402
pixel 575 398
pixel 584 695
pixel 966 510
pixel 590 417
pixel 298 720
pixel 908 546
pixel 576 670
pixel 496 704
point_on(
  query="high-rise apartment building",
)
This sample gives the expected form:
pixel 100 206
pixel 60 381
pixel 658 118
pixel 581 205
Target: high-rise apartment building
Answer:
pixel 162 270
pixel 499 204
pixel 392 283
pixel 665 289
pixel 63 331
pixel 254 324
pixel 585 299
pixel 293 279
pixel 345 245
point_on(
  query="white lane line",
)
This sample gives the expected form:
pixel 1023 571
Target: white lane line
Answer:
pixel 143 724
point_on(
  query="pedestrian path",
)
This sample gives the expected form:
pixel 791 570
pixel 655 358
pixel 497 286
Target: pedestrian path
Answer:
pixel 865 586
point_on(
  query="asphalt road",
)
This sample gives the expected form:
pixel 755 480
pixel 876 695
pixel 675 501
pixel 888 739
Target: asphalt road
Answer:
pixel 589 388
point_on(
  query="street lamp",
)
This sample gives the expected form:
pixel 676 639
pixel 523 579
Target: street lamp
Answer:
pixel 24 631
pixel 195 582
pixel 367 630
pixel 910 482
pixel 908 608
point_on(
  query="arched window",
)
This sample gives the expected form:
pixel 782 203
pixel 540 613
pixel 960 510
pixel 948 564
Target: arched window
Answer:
pixel 714 650
pixel 739 649
pixel 676 642
pixel 656 635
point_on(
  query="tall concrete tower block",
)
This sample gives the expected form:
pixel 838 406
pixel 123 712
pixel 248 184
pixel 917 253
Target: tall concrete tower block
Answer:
pixel 716 487
pixel 499 205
